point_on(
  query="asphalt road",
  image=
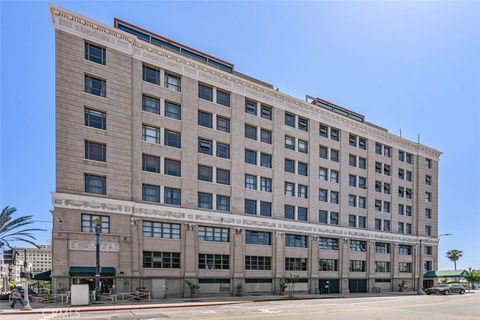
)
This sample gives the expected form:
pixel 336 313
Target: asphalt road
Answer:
pixel 462 307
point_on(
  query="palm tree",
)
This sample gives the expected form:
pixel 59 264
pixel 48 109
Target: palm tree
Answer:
pixel 454 255
pixel 11 228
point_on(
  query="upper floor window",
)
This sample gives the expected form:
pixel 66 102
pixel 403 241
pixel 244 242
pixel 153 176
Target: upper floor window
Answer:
pixel 357 245
pixel 95 86
pixel 213 234
pixel 205 146
pixel 168 260
pixel 172 196
pixel 150 193
pixel 428 180
pixel 223 150
pixel 266 112
pixel 173 82
pixel 205 200
pixel 302 124
pixel 151 134
pixel 173 110
pixel 250 132
pixel 95 184
pixel 172 139
pixel 95 53
pixel 150 104
pixel 89 221
pixel 95 151
pixel 213 261
pixel 258 237
pixel 205 92
pixel 290 119
pixel 265 160
pixel 205 119
pixel 151 75
pixel 428 163
pixel 223 98
pixel 328 244
pixel 295 240
pixel 223 124
pixel 150 163
pixel 251 107
pixel 161 230
pixel 405 250
pixel 95 119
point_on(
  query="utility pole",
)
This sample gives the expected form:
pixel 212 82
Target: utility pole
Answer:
pixel 98 228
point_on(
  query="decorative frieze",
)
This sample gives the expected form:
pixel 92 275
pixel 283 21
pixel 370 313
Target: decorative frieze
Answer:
pixel 86 245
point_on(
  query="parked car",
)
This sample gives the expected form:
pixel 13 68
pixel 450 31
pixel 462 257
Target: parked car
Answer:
pixel 445 289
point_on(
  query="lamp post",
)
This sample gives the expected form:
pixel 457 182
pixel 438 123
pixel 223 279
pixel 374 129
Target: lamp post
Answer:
pixel 98 227
pixel 27 276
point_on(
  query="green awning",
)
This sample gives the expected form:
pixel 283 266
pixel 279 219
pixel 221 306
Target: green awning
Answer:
pixel 90 271
pixel 446 274
pixel 44 276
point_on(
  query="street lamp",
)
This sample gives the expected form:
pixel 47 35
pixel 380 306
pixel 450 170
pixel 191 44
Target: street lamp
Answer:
pixel 98 227
pixel 27 276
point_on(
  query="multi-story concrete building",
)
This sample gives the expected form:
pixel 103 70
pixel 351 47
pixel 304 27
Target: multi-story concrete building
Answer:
pixel 38 260
pixel 198 172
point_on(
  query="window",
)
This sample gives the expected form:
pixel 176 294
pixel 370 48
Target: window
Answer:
pixel 250 206
pixel 352 221
pixel 151 134
pixel 405 250
pixel 428 163
pixel 427 250
pixel 302 124
pixel 173 110
pixel 386 225
pixel 205 146
pixel 150 193
pixel 362 163
pixel 266 112
pixel 362 222
pixel 258 263
pixel 173 82
pixel 223 203
pixel 151 75
pixel 265 184
pixel 381 247
pixel 95 119
pixel 323 131
pixel 223 176
pixel 352 180
pixel 170 260
pixel 427 265
pixel 334 134
pixel 251 107
pixel 428 197
pixel 323 195
pixel 378 224
pixel 95 184
pixel 387 151
pixel 205 119
pixel 302 213
pixel 205 92
pixel 328 265
pixel 223 98
pixel 294 240
pixel 357 245
pixel 150 163
pixel 295 264
pixel 289 212
pixel 352 140
pixel 223 124
pixel 386 169
pixel 428 231
pixel 95 53
pixel 334 197
pixel 290 189
pixel 265 208
pixel 386 188
pixel 213 261
pixel 302 191
pixel 250 182
pixel 95 151
pixel 204 200
pixel 357 266
pixel 404 267
pixel 213 234
pixel 172 196
pixel 205 173
pixel 334 176
pixel 408 175
pixel 88 223
pixel 323 152
pixel 250 132
pixel 250 156
pixel 303 168
pixel 386 206
pixel 362 182
pixel 173 167
pixel 408 211
pixel 428 180
pixel 258 237
pixel 323 216
pixel 95 86
pixel 378 148
pixel 352 160
pixel 172 139
pixel 409 158
pixel 334 155
pixel 428 213
pixel 266 136
pixel 334 218
pixel 223 150
pixel 362 143
pixel 161 230
pixel 290 143
pixel 289 119
pixel 323 174
pixel 265 160
pixel 328 244
pixel 302 146
pixel 352 200
pixel 382 266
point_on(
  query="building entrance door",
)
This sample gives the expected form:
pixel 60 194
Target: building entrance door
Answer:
pixel 358 285
pixel 158 288
pixel 326 286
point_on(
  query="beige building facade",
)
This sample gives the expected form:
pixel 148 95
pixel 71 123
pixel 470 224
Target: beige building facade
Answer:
pixel 200 173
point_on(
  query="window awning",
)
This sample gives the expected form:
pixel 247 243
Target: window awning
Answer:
pixel 90 271
pixel 43 276
pixel 446 274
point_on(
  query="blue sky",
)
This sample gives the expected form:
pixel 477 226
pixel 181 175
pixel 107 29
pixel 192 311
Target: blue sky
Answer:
pixel 409 65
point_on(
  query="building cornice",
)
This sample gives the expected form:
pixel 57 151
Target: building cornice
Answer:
pixel 109 36
pixel 192 216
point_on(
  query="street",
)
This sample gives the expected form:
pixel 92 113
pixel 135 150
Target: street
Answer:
pixel 392 308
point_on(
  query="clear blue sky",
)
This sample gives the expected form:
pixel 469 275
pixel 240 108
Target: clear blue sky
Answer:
pixel 409 65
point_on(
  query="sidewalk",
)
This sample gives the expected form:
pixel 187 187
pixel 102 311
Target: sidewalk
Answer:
pixel 39 308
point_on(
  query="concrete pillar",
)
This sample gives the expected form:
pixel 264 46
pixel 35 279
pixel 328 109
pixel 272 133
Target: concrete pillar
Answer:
pixel 345 265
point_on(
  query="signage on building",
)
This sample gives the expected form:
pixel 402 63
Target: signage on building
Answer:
pixel 85 245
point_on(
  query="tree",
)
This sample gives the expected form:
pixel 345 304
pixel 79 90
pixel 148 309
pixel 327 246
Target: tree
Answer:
pixel 454 255
pixel 12 229
pixel 473 277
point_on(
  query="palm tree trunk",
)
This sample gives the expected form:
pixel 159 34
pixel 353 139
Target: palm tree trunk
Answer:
pixel 455 264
